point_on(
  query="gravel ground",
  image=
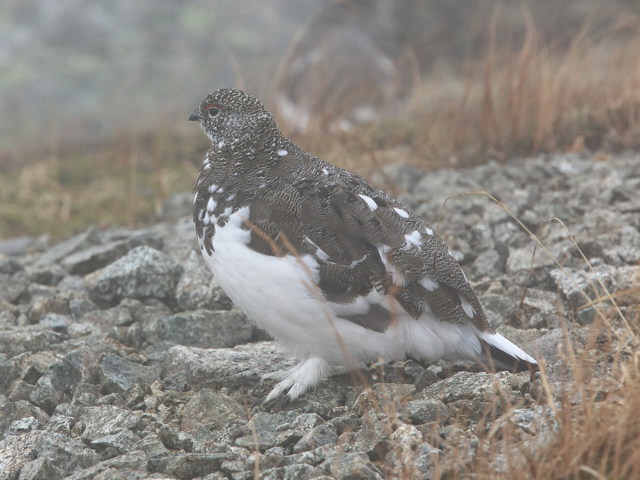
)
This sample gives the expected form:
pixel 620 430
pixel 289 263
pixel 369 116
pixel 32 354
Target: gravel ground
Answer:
pixel 120 358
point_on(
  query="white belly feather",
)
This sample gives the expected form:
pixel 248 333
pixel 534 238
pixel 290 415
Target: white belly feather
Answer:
pixel 280 295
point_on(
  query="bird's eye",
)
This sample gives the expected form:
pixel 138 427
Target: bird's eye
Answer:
pixel 213 111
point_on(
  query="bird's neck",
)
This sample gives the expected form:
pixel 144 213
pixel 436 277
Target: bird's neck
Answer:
pixel 245 167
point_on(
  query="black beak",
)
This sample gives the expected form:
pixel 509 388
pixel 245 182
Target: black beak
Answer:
pixel 194 117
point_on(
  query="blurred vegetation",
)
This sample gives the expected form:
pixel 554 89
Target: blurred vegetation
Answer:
pixel 98 135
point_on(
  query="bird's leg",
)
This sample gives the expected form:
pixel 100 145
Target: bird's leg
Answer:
pixel 298 379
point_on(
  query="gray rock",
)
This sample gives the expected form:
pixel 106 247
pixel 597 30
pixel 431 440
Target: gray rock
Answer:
pixel 59 385
pixel 541 308
pixel 18 411
pixel 15 452
pixel 45 275
pixel 97 256
pixel 186 466
pixel 143 273
pixel 489 263
pixel 263 428
pixel 579 287
pixel 109 427
pixel 63 249
pixel 128 466
pixel 522 259
pixel 292 472
pixel 426 378
pixel 209 413
pixel 197 288
pixel 410 457
pixel 201 328
pixel 423 409
pixel 373 436
pixel 13 288
pixel 290 434
pixel 8 372
pixel 237 367
pixel 39 469
pixel 43 305
pixel 353 466
pixel 66 454
pixel 324 434
pixel 26 424
pixel 57 322
pixel 479 395
pixel 8 265
pixel 28 339
pixel 121 374
pixel 19 245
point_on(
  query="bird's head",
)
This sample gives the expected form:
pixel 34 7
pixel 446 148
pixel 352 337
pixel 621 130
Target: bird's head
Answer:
pixel 232 117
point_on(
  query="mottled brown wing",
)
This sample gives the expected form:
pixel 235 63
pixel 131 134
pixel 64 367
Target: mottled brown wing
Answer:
pixel 349 236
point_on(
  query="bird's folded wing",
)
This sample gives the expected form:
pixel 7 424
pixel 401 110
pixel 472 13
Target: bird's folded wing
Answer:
pixel 367 246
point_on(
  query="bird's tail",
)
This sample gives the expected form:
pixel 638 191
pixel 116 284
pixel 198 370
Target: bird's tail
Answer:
pixel 501 354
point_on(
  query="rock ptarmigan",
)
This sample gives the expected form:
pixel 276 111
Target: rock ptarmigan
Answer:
pixel 335 269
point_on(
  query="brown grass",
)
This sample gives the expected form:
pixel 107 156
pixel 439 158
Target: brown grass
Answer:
pixel 596 428
pixel 521 99
pixel 123 181
pixel 525 100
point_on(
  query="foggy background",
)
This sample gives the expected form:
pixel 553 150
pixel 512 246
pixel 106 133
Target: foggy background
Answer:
pixel 78 70
pixel 95 95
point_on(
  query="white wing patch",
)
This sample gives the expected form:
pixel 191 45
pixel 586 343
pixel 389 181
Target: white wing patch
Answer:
pixel 429 284
pixel 321 254
pixel 396 276
pixel 468 309
pixel 211 204
pixel 401 212
pixel 414 238
pixel 370 202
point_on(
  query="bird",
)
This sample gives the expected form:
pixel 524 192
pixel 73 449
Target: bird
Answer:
pixel 338 271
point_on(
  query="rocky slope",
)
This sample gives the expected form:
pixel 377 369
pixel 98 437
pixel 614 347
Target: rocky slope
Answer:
pixel 120 358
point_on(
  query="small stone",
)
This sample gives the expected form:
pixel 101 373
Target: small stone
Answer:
pixel 426 378
pixel 410 457
pixel 579 287
pixel 121 374
pixel 46 275
pixel 187 465
pixel 316 437
pixel 96 256
pixel 197 288
pixel 68 247
pixel 208 413
pixel 39 469
pixel 353 466
pixel 67 454
pixel 24 425
pixel 422 409
pixel 59 384
pixel 41 306
pixel 202 328
pixel 263 429
pixel 143 273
